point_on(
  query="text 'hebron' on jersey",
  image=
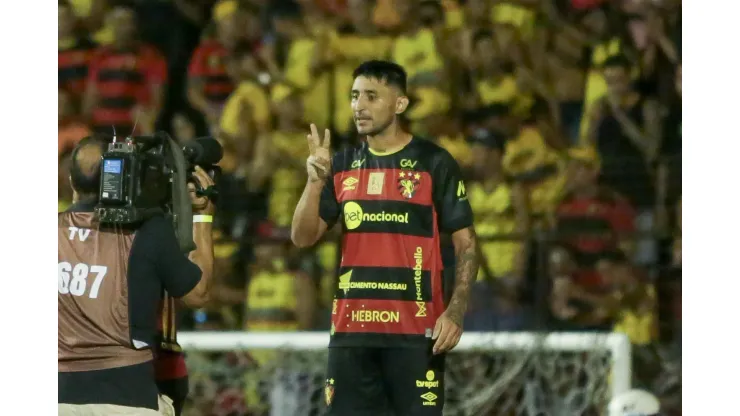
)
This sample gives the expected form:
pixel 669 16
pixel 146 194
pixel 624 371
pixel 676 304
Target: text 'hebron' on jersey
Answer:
pixel 392 209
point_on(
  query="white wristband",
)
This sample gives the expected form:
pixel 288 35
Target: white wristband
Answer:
pixel 202 218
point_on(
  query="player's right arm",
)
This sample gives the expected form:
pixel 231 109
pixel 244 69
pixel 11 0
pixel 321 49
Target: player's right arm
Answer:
pixel 318 208
pixel 187 278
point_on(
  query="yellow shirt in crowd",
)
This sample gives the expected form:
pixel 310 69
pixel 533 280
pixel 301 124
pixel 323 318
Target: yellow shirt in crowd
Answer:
pixel 314 90
pixel 495 216
pixel 248 99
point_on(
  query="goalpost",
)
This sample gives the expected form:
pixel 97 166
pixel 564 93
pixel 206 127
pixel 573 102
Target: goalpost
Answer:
pixel 526 373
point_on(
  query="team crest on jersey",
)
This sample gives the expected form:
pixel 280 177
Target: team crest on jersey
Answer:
pixel 408 183
pixel 329 391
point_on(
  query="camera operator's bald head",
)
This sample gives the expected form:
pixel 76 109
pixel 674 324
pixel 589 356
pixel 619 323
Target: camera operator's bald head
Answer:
pixel 84 173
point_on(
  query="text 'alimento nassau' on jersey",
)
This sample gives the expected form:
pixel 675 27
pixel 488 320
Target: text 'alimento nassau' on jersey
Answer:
pixel 393 208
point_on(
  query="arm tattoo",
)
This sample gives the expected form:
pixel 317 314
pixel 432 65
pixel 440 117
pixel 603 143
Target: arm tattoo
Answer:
pixel 466 271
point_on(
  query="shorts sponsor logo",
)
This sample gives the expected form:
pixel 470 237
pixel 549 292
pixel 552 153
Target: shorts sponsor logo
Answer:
pixel 376 316
pixel 350 184
pixel 429 383
pixel 354 216
pixel 418 268
pixel 429 399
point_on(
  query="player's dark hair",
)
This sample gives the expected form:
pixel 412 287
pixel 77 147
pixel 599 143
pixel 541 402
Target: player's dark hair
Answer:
pixel 84 171
pixel 389 72
pixel 617 61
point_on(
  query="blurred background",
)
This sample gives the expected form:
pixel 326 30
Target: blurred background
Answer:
pixel 565 116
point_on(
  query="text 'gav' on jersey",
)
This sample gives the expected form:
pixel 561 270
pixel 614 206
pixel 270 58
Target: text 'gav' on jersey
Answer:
pixel 393 208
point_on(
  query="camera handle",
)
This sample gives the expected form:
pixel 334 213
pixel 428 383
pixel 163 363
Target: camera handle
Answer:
pixel 211 192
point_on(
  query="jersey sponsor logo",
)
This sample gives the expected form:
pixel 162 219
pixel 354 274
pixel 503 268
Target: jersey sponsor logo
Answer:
pixel 354 216
pixel 375 183
pixel 418 268
pixel 329 391
pixel 357 163
pixel 429 383
pixel 349 184
pixel 422 312
pixel 334 307
pixel 408 183
pixel 429 399
pixel 346 283
pixel 408 163
pixel 376 316
pixel 461 194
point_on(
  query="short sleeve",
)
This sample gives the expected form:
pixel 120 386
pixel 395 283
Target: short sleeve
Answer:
pixel 449 195
pixel 156 241
pixel 329 207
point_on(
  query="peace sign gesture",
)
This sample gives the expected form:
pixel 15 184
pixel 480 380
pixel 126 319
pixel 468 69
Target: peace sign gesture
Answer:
pixel 318 163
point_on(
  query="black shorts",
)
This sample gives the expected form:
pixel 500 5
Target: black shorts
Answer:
pixel 384 382
pixel 177 390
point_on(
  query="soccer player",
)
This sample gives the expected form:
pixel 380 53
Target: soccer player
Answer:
pixel 396 194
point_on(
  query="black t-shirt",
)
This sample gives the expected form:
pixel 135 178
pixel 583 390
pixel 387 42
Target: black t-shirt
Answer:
pixel 155 264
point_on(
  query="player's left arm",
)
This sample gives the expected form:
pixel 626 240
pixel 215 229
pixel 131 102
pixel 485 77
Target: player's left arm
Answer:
pixel 456 218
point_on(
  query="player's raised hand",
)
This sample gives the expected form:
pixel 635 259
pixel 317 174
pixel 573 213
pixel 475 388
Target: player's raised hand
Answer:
pixel 447 333
pixel 318 163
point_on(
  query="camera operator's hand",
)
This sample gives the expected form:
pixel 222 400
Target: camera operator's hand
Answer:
pixel 319 161
pixel 201 204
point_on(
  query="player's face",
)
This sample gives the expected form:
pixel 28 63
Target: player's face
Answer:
pixel 374 105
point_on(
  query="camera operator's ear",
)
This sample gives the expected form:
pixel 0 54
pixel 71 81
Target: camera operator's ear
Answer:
pixel 402 104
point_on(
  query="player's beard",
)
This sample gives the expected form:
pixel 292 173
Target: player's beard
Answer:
pixel 374 130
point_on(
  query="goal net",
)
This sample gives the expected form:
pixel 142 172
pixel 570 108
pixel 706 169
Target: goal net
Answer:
pixel 488 374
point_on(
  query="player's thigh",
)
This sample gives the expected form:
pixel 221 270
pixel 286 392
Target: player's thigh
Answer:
pixel 414 378
pixel 354 383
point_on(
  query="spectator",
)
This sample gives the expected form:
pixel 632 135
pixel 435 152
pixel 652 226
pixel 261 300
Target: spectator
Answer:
pixel 208 84
pixel 418 49
pixel 591 222
pixel 71 129
pixel 634 299
pixel 246 114
pixel 669 157
pixel 626 129
pixel 501 213
pixel 493 76
pixel 281 160
pixel 126 81
pixel 75 52
pixel 183 128
pixel 355 42
pixel 304 72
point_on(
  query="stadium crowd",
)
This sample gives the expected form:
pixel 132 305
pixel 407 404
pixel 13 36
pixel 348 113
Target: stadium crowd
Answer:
pixel 565 116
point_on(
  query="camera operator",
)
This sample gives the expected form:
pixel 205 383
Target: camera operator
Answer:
pixel 111 281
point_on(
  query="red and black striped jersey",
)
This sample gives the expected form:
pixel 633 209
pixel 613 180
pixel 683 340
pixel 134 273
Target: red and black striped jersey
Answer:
pixel 123 80
pixel 208 64
pixel 74 59
pixel 392 208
